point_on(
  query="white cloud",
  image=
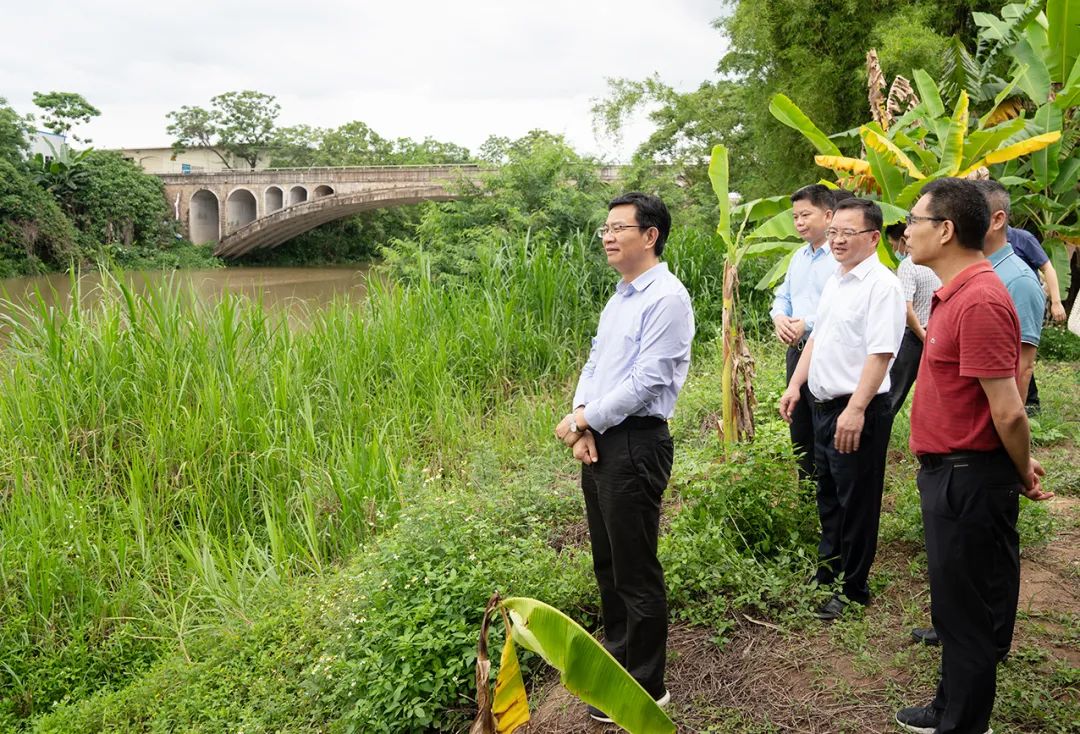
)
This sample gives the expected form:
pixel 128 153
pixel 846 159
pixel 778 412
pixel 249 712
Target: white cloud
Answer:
pixel 457 71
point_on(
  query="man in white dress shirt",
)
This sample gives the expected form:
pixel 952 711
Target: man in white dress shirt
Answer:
pixel 860 324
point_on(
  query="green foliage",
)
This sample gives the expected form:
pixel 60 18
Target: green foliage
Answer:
pixel 356 144
pixel 62 174
pixel 116 202
pixel 34 233
pixel 239 124
pixel 543 190
pixel 14 132
pixel 1058 344
pixel 63 110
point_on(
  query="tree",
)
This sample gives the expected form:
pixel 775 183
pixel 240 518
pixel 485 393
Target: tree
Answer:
pixel 14 130
pixel 63 110
pixel 33 230
pixel 237 125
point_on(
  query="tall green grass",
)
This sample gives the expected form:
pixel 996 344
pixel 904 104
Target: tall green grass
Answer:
pixel 167 464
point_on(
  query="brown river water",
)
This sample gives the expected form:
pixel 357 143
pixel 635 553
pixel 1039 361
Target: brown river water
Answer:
pixel 288 291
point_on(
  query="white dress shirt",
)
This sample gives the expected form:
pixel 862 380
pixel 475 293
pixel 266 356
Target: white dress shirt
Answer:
pixel 861 312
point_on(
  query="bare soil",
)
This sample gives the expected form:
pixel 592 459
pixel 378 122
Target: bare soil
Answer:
pixel 843 677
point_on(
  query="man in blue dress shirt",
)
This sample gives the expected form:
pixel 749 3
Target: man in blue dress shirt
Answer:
pixel 796 302
pixel 618 430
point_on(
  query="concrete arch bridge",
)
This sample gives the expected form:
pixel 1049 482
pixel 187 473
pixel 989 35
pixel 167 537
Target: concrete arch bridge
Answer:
pixel 241 211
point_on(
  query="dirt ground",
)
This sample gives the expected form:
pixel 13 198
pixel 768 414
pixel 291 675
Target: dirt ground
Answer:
pixel 852 675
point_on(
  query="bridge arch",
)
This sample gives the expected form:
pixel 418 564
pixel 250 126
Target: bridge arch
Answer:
pixel 297 195
pixel 284 224
pixel 241 208
pixel 273 199
pixel 323 190
pixel 204 217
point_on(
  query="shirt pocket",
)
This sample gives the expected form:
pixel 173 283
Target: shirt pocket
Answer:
pixel 850 326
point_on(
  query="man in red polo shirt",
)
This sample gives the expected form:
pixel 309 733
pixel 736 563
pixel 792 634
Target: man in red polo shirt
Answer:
pixel 970 432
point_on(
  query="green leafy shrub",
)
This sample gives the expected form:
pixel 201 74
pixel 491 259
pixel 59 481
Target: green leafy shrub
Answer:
pixel 1058 344
pixel 34 233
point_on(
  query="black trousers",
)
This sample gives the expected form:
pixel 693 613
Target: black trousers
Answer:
pixel 903 370
pixel 970 504
pixel 1032 400
pixel 849 489
pixel 802 423
pixel 622 502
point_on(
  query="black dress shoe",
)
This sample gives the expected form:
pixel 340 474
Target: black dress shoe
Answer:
pixel 832 609
pixel 926 635
pixel 919 719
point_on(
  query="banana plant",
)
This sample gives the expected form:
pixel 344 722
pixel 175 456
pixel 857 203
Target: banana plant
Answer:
pixel 737 400
pixel 586 669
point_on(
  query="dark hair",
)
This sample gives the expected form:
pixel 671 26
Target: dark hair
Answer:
pixel 962 203
pixel 839 195
pixel 896 231
pixel 818 195
pixel 997 198
pixel 871 212
pixel 650 211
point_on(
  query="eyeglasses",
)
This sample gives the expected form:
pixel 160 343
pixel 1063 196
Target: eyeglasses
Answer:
pixel 616 228
pixel 845 234
pixel 912 218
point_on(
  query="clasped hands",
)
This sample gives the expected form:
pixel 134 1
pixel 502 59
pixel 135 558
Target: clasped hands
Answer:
pixel 582 441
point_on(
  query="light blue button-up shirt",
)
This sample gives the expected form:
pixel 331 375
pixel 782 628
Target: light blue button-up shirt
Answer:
pixel 807 274
pixel 641 352
pixel 1025 289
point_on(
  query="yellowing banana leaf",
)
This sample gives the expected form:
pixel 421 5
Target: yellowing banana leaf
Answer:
pixel 1016 150
pixel 891 151
pixel 787 112
pixel 511 705
pixel 982 142
pixel 586 669
pixel 952 147
pixel 843 164
pixel 889 177
pixel 718 177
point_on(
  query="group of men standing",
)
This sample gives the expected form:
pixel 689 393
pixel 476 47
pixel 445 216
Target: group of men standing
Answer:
pixel 962 318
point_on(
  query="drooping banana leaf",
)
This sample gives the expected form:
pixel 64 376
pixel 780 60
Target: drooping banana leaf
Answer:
pixel 787 112
pixel 718 177
pixel 586 669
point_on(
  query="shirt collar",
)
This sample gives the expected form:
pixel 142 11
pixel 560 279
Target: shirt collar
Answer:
pixel 819 252
pixel 1000 255
pixel 961 279
pixel 861 270
pixel 643 281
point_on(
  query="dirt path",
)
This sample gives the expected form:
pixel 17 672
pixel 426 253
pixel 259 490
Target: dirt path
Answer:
pixel 851 676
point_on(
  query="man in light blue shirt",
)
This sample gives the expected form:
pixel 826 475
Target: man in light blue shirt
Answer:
pixel 1023 285
pixel 618 430
pixel 796 302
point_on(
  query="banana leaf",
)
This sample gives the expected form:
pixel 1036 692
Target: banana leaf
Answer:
pixel 586 669
pixel 775 274
pixel 778 227
pixel 1063 27
pixel 1044 162
pixel 952 147
pixel 787 112
pixel 718 177
pixel 874 139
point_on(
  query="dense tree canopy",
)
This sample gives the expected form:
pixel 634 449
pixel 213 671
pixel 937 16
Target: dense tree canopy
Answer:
pixel 813 52
pixel 62 111
pixel 237 125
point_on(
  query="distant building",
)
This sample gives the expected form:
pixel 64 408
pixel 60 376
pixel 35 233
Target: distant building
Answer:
pixel 195 160
pixel 47 143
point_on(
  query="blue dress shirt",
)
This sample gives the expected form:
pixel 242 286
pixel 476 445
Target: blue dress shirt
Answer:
pixel 807 274
pixel 1025 289
pixel 641 352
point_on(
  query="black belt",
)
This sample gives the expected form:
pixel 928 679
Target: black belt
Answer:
pixel 841 402
pixel 936 461
pixel 640 421
pixel 799 345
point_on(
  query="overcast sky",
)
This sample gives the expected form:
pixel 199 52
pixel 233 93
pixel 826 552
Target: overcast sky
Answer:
pixel 458 71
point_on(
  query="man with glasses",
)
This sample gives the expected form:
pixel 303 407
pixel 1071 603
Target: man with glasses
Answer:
pixel 796 302
pixel 917 283
pixel 860 323
pixel 618 430
pixel 970 433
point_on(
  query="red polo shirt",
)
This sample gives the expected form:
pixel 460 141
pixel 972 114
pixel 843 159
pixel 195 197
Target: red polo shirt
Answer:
pixel 973 332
